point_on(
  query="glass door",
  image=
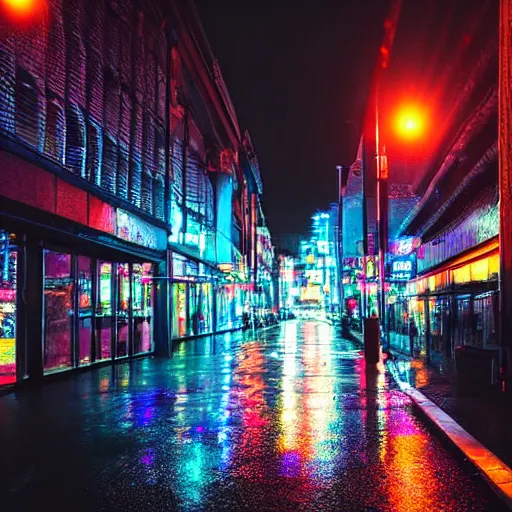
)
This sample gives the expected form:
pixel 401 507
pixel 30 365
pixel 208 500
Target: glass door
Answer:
pixel 58 311
pixel 464 324
pixel 84 285
pixel 123 309
pixel 179 319
pixel 205 307
pixel 142 307
pixel 104 319
pixel 192 310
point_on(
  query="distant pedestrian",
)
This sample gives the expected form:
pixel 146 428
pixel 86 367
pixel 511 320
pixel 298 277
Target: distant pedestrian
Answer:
pixel 345 324
pixel 413 333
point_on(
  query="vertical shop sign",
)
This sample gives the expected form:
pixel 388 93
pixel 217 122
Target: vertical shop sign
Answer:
pixel 403 268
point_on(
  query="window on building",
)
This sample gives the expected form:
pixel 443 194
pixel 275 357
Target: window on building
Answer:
pixel 109 169
pixel 58 311
pixel 94 153
pixel 135 181
pixel 75 140
pixel 177 171
pixel 7 72
pixel 159 186
pixel 55 131
pixel 192 183
pixel 28 109
pixel 122 173
pixel 147 191
pixel 158 196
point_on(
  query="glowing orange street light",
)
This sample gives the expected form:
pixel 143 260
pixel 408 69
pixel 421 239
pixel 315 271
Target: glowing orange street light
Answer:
pixel 410 122
pixel 21 10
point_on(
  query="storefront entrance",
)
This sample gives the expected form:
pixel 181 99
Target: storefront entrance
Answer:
pixel 94 310
pixel 204 301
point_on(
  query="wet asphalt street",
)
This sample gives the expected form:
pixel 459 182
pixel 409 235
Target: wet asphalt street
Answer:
pixel 287 419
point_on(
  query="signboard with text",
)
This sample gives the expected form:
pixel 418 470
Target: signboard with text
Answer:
pixel 403 268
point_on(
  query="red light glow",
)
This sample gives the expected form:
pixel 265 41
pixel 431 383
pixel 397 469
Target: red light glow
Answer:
pixel 410 122
pixel 21 11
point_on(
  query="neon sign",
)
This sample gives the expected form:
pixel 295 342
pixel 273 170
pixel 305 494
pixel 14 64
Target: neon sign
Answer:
pixel 403 268
pixel 405 246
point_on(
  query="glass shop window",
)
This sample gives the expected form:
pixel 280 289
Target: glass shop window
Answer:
pixel 485 309
pixel 123 309
pixel 58 311
pixel 8 280
pixel 142 306
pixel 104 312
pixel 465 319
pixel 84 282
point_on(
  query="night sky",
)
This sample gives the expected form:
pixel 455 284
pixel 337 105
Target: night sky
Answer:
pixel 298 73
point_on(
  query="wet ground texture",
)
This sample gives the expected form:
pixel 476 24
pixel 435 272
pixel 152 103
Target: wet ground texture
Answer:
pixel 284 419
pixel 483 410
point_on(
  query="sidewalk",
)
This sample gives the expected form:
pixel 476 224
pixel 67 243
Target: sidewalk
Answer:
pixel 485 413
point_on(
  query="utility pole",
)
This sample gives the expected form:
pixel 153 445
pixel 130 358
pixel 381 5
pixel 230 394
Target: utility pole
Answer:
pixel 343 172
pixel 505 180
pixel 339 243
pixel 382 218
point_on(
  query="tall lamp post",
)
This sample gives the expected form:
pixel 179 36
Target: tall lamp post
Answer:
pixel 409 122
pixel 343 172
pixel 382 221
pixel 371 141
pixel 505 181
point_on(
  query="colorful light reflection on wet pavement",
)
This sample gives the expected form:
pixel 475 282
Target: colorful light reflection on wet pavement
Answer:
pixel 287 419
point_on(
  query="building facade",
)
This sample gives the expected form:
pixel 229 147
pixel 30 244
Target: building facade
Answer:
pixel 122 221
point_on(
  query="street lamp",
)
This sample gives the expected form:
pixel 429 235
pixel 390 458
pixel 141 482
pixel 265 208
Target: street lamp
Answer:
pixel 20 16
pixel 20 10
pixel 410 123
pixel 343 172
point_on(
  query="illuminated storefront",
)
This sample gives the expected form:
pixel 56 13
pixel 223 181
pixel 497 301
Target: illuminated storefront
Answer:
pixel 122 323
pixel 193 284
pixel 456 305
pixel 87 299
pixel 226 306
pixel 204 301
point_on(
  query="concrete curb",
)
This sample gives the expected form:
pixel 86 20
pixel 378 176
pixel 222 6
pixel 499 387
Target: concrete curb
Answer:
pixel 494 471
